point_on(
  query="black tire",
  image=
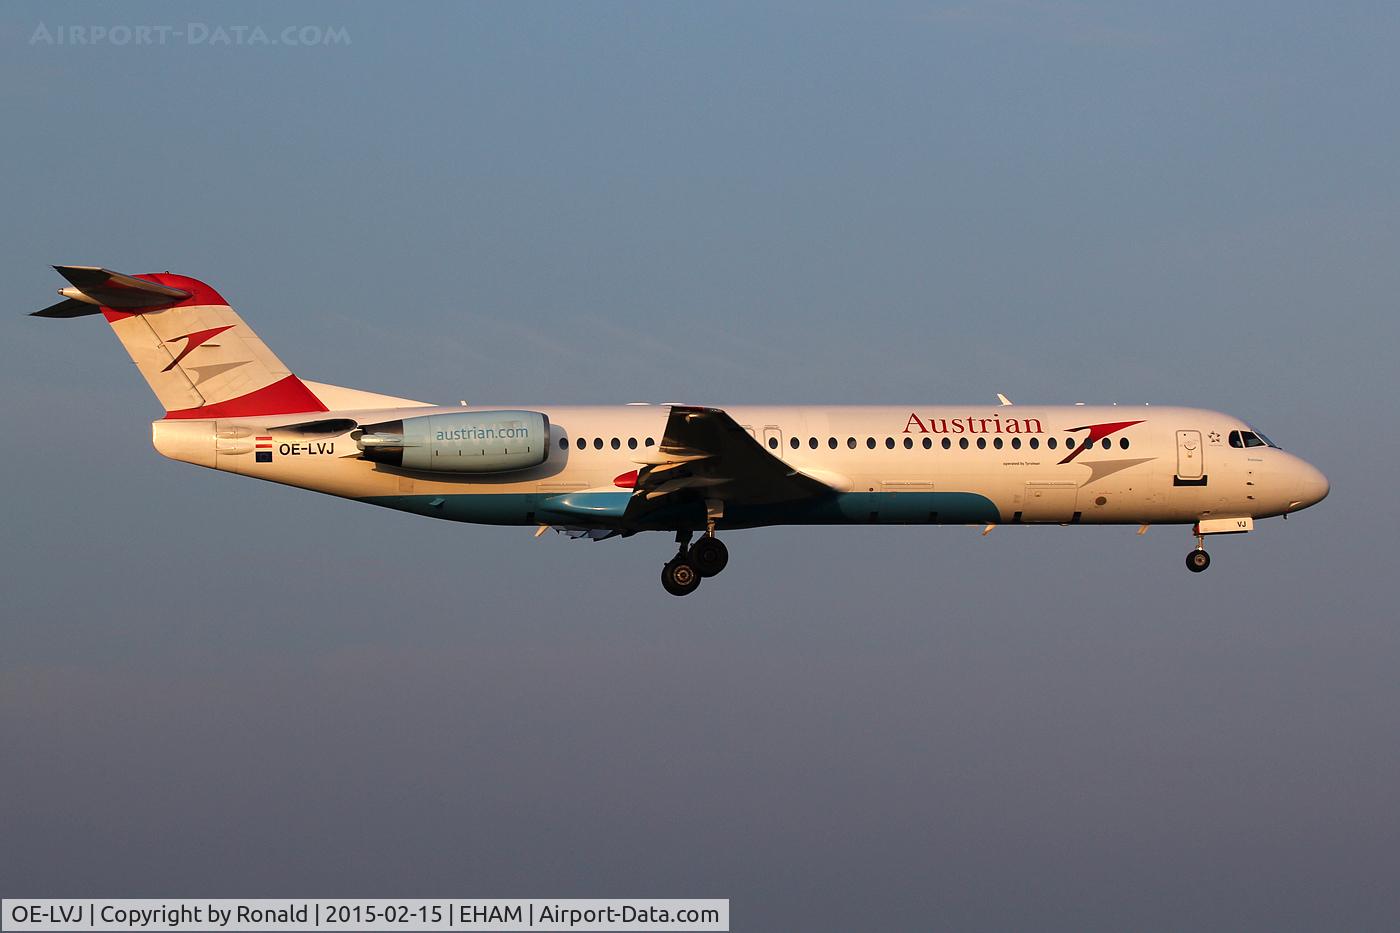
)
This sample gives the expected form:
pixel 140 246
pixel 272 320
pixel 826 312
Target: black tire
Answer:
pixel 1197 561
pixel 679 577
pixel 709 556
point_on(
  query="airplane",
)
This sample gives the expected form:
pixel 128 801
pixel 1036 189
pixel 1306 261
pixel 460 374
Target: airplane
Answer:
pixel 607 471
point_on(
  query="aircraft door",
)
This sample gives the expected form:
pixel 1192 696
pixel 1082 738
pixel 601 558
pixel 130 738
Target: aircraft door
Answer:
pixel 1049 502
pixel 773 439
pixel 1189 453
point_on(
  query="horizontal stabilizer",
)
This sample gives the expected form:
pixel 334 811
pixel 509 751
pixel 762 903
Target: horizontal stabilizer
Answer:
pixel 97 286
pixel 68 307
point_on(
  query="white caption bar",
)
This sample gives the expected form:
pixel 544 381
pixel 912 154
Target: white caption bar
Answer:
pixel 187 915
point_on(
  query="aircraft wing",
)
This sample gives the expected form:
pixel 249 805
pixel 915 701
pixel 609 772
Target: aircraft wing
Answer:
pixel 705 454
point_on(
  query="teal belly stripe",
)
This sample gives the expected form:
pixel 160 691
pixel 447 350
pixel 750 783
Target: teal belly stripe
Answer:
pixel 605 509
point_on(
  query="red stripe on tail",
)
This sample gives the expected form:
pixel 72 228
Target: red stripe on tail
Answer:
pixel 284 397
pixel 200 294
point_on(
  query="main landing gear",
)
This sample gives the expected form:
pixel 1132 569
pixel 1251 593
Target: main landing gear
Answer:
pixel 1198 559
pixel 682 574
pixel 679 576
pixel 709 555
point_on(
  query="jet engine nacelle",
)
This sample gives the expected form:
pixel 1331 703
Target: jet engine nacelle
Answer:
pixel 465 442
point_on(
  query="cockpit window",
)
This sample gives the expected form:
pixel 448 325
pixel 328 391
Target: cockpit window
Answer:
pixel 1249 439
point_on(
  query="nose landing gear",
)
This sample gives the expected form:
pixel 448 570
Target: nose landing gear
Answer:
pixel 1198 560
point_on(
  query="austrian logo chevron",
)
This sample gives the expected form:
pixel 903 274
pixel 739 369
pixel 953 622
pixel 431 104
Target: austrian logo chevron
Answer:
pixel 196 339
pixel 1097 432
pixel 262 449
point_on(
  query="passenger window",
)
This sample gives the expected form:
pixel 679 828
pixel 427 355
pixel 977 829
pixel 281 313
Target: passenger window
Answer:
pixel 889 443
pixel 831 442
pixel 1123 442
pixel 631 443
pixel 1015 443
pixel 981 443
pixel 597 443
pixel 947 443
pixel 1051 443
pixel 962 442
pixel 1035 443
pixel 563 443
pixel 650 442
pixel 870 443
pixel 812 443
pixel 928 443
pixel 909 443
pixel 851 443
pixel 616 444
pixel 1069 443
pixel 996 442
pixel 772 443
pixel 794 443
pixel 1106 444
pixel 582 443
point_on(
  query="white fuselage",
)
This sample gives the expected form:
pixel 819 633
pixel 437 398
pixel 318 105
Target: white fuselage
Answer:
pixel 885 464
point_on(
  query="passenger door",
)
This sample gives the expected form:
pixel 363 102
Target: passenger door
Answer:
pixel 1190 462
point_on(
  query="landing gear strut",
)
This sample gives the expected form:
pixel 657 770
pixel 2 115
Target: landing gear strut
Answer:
pixel 1198 560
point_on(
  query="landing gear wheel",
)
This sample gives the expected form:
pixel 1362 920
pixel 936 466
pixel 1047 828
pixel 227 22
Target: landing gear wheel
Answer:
pixel 679 576
pixel 1197 561
pixel 709 555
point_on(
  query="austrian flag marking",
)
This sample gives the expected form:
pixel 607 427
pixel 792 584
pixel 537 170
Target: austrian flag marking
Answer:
pixel 263 449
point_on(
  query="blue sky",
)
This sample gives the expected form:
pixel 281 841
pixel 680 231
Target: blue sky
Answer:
pixel 224 687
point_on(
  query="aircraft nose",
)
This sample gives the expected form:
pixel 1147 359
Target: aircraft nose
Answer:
pixel 1310 488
